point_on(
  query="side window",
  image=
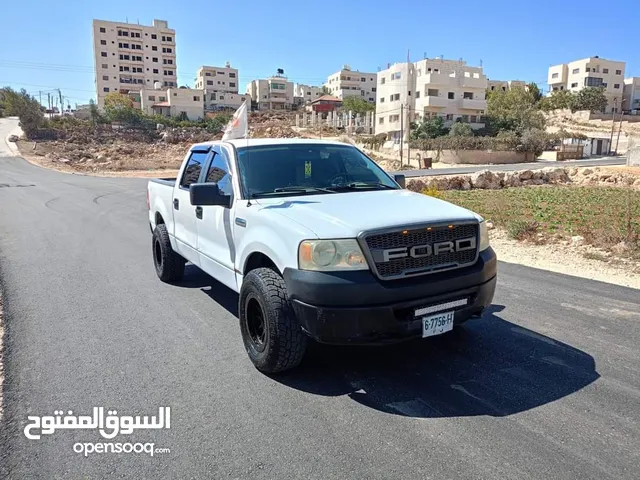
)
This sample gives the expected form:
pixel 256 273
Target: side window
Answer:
pixel 193 169
pixel 220 173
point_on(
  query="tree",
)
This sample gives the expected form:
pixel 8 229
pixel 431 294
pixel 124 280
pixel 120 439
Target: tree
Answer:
pixel 590 98
pixel 535 91
pixel 428 128
pixel 514 109
pixel 559 99
pixel 119 108
pixel 25 107
pixel 461 129
pixel 357 105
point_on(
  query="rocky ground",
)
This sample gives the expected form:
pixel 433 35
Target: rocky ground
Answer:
pixel 487 179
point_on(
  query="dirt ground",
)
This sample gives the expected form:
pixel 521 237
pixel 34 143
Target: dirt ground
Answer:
pixel 582 261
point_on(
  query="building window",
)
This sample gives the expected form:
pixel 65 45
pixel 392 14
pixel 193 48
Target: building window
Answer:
pixel 616 85
pixel 105 77
pixel 575 70
pixel 381 99
pixel 103 42
pixel 395 97
pixel 432 92
pixel 396 76
pixel 382 80
pixel 103 30
pixel 451 95
pixel 232 75
pixel 394 118
pixel 154 48
pixel 154 36
pixel 593 82
pixel 554 75
pixel 574 85
pixel 232 84
pixel 588 69
pixel 154 60
pixel 196 98
pixel 604 70
pixel 105 89
pixel 618 72
pixel 209 82
pixel 221 97
pixel 162 99
pixel 381 120
pixel 468 95
pixel 105 65
pixel 155 70
pixel 103 54
pixel 473 119
pixel 604 85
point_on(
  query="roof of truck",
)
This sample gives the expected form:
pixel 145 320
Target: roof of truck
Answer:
pixel 253 142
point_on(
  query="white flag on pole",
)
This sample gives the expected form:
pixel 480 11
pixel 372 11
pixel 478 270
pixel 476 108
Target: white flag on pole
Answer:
pixel 238 127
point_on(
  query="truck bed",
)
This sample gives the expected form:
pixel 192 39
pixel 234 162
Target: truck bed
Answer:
pixel 171 182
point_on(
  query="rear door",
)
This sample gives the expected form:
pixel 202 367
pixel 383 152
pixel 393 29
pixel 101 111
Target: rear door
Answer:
pixel 184 214
pixel 216 246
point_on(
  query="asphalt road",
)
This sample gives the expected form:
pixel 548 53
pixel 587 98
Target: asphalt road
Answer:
pixel 593 162
pixel 546 386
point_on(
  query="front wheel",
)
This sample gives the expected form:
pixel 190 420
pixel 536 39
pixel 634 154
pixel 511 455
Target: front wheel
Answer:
pixel 169 265
pixel 270 331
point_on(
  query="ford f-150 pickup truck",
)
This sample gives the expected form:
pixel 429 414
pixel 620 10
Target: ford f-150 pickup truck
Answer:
pixel 320 243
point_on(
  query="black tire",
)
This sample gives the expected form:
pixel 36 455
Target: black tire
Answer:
pixel 169 265
pixel 270 331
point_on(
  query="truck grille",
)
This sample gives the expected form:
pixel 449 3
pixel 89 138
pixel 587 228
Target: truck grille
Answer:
pixel 399 262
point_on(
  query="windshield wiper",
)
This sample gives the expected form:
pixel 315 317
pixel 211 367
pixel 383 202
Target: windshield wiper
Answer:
pixel 294 190
pixel 358 185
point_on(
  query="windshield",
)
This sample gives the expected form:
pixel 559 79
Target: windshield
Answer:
pixel 299 169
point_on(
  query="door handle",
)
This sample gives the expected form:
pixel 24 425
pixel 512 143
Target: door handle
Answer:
pixel 176 204
pixel 199 212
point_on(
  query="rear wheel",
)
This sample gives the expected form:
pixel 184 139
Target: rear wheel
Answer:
pixel 169 265
pixel 270 331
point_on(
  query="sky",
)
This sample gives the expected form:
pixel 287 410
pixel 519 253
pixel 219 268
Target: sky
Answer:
pixel 513 40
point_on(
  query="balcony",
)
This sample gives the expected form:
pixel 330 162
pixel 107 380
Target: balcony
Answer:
pixel 428 101
pixel 472 82
pixel 436 79
pixel 469 104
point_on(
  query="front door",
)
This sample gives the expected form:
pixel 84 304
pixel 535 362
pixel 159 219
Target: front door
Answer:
pixel 599 147
pixel 184 214
pixel 216 247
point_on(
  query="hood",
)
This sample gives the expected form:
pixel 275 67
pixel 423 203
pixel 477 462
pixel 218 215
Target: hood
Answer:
pixel 345 215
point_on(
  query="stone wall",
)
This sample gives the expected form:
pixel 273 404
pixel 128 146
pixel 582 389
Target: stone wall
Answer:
pixel 487 179
pixel 481 157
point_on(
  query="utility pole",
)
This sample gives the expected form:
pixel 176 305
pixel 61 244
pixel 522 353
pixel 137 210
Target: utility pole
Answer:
pixel 619 126
pixel 61 102
pixel 401 131
pixel 409 136
pixel 40 95
pixel 613 123
pixel 49 103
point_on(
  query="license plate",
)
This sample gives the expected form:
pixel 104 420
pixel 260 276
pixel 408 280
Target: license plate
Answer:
pixel 437 324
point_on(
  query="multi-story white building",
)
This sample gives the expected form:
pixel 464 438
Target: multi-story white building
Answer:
pixel 129 56
pixel 631 95
pixel 590 72
pixel 349 82
pixel 432 87
pixel 303 94
pixel 173 102
pixel 220 85
pixel 273 93
pixel 505 85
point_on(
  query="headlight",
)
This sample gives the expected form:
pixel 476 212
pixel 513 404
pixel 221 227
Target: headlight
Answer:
pixel 331 255
pixel 484 236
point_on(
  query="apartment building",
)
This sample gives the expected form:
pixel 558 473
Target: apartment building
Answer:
pixel 273 93
pixel 130 56
pixel 349 82
pixel 303 94
pixel 631 95
pixel 505 85
pixel 220 85
pixel 432 87
pixel 590 72
pixel 172 102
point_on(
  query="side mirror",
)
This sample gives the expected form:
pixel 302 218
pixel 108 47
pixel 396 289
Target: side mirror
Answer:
pixel 400 180
pixel 208 194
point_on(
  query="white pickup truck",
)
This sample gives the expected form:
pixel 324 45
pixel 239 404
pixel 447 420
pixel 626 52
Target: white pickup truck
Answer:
pixel 320 243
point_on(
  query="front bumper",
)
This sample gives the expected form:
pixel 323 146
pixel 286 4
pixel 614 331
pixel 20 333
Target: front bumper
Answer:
pixel 357 308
